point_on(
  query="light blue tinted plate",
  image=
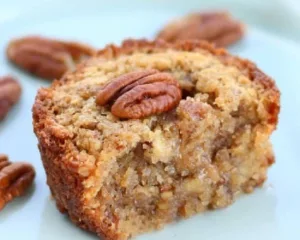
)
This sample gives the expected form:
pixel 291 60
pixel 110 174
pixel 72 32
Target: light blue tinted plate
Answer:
pixel 269 213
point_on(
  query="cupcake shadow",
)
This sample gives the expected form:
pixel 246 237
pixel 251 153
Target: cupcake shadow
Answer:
pixel 55 225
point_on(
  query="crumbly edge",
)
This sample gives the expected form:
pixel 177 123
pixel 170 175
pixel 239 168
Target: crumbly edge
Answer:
pixel 58 151
pixel 132 46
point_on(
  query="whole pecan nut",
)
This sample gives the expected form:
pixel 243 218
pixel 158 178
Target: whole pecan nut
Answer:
pixel 10 92
pixel 47 58
pixel 140 94
pixel 15 178
pixel 216 27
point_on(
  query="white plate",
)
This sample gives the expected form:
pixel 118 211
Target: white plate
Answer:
pixel 269 213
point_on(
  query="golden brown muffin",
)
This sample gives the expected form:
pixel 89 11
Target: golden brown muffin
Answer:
pixel 122 177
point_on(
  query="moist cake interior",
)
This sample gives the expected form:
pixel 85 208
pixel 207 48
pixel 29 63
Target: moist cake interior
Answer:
pixel 140 174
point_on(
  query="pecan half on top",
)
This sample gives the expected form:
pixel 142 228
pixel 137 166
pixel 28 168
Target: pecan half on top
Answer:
pixel 216 27
pixel 10 92
pixel 47 58
pixel 140 94
pixel 15 179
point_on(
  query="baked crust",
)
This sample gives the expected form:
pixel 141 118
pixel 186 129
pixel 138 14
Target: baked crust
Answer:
pixel 247 67
pixel 60 155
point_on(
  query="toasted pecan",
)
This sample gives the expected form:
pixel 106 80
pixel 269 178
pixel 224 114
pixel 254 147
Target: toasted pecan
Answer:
pixel 47 58
pixel 140 94
pixel 10 92
pixel 216 27
pixel 15 178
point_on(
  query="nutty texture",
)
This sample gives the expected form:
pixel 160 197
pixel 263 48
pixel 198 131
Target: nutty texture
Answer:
pixel 15 179
pixel 122 178
pixel 141 94
pixel 10 92
pixel 216 27
pixel 47 58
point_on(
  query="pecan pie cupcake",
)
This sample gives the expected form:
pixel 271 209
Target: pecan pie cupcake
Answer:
pixel 146 133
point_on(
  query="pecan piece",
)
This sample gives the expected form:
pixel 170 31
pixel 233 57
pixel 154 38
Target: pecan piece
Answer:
pixel 15 179
pixel 140 94
pixel 47 58
pixel 10 92
pixel 216 27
